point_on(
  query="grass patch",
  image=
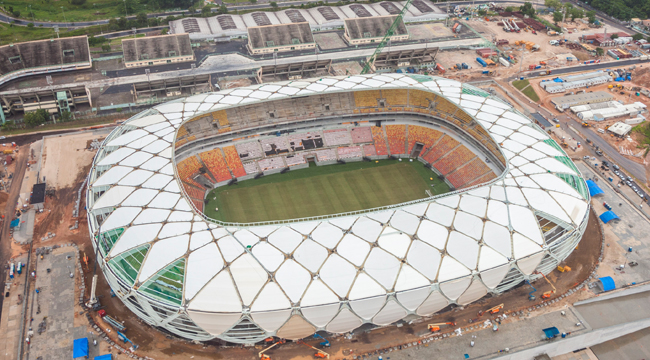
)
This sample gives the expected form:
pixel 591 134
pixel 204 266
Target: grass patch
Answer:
pixel 59 126
pixel 91 10
pixel 15 34
pixel 322 190
pixel 520 84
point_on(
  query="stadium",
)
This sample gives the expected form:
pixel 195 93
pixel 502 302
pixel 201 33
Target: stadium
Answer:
pixel 325 204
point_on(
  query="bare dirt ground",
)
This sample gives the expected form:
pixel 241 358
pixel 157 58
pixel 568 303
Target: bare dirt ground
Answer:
pixel 229 84
pixel 428 31
pixel 346 68
pixel 61 154
pixel 329 40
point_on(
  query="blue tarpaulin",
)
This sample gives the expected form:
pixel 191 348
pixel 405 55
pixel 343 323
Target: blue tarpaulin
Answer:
pixel 593 188
pixel 609 216
pixel 14 223
pixel 80 348
pixel 104 357
pixel 558 80
pixel 551 332
pixel 608 283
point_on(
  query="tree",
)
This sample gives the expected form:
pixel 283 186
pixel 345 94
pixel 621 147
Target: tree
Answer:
pixel 592 16
pixel 191 10
pixel 130 6
pixel 154 22
pixel 557 17
pixel 30 25
pixel 65 116
pixel 16 13
pixel 122 23
pixel 35 118
pixel 113 24
pixel 253 2
pixel 552 3
pixel 613 36
pixel 164 31
pixel 568 6
pixel 600 51
pixel 223 9
pixel 510 9
pixel 106 48
pixel 482 12
pixel 77 2
pixel 206 11
pixel 637 36
pixel 141 19
pixel 527 9
pixel 576 14
pixel 273 4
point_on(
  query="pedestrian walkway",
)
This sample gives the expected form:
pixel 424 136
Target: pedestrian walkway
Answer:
pixel 11 311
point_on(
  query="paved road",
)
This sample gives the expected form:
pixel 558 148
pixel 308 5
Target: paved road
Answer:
pixel 14 192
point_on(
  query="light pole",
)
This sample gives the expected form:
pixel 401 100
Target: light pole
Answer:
pixel 63 12
pixel 30 10
pixel 126 13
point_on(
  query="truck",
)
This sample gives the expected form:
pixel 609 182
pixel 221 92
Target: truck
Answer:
pixel 481 61
pixel 440 69
pixel 455 28
pixel 551 33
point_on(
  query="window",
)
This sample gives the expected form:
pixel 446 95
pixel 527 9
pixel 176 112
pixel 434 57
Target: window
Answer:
pixel 169 61
pixel 293 48
pixel 150 62
pixel 270 43
pixel 327 107
pixel 367 34
pixel 15 60
pixel 295 41
pixel 144 57
pixel 172 53
pixel 68 52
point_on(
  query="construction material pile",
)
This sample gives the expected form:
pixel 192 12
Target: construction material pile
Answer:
pixel 619 54
pixel 529 44
pixel 485 52
pixel 536 25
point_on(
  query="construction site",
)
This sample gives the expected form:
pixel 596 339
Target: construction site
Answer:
pixel 49 252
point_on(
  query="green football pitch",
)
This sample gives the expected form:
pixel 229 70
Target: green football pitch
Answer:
pixel 322 190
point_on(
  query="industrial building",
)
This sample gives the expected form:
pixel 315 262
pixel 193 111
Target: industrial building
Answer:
pixel 157 50
pixel 391 60
pixel 620 129
pixel 54 100
pixel 279 38
pixel 294 71
pixel 605 39
pixel 204 279
pixel 608 110
pixel 367 30
pixel 564 102
pixel 44 57
pixel 229 26
pixel 562 84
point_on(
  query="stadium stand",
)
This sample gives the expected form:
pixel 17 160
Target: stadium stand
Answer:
pixel 305 141
pixel 369 150
pixel 425 136
pixel 293 160
pixel 271 163
pixel 467 173
pixel 337 137
pixel 454 160
pixel 251 168
pixel 216 164
pixel 380 141
pixel 326 154
pixel 234 162
pixel 443 146
pixel 198 204
pixel 182 132
pixel 275 146
pixel 485 178
pixel 249 150
pixel 188 167
pixel 350 152
pixel 396 138
pixel 444 107
pixel 366 98
pixel 361 135
pixel 221 117
pixel 395 97
pixel 420 98
pixel 195 193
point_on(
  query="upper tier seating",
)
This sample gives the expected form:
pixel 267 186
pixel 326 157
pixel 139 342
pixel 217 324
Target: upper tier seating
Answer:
pixel 443 146
pixel 395 97
pixel 469 172
pixel 380 141
pixel 361 135
pixel 188 167
pixel 366 98
pixel 216 164
pixel 423 135
pixel 483 179
pixel 275 145
pixel 305 141
pixel 337 137
pixel 232 158
pixel 396 139
pixel 251 168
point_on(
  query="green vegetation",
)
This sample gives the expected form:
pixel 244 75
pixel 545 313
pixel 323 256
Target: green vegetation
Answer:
pixel 644 131
pixel 35 118
pixel 623 9
pixel 526 89
pixel 322 190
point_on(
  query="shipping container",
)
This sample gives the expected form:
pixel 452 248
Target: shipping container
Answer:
pixel 481 61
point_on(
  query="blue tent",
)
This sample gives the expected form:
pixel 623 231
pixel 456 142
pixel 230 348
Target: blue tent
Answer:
pixel 104 357
pixel 593 188
pixel 609 216
pixel 551 332
pixel 80 348
pixel 608 283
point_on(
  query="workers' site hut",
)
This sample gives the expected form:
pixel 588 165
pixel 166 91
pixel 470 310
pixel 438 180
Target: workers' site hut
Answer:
pixel 365 30
pixel 157 50
pixel 278 38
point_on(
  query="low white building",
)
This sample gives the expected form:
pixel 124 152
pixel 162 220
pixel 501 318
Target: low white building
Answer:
pixel 620 129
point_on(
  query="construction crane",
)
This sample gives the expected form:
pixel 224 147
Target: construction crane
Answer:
pixel 492 310
pixel 436 327
pixel 325 342
pixel 126 340
pixel 548 294
pixel 319 353
pixel 266 357
pixel 371 60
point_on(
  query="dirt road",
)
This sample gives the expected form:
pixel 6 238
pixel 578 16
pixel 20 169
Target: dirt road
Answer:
pixel 14 192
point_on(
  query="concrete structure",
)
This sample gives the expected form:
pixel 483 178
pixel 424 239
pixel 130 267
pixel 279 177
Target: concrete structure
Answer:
pixel 367 30
pixel 152 91
pixel 157 50
pixel 620 129
pixel 279 38
pixel 44 56
pixel 319 18
pixel 242 282
pixel 391 60
pixel 564 102
pixel 66 98
pixel 605 39
pixel 38 196
pixel 294 71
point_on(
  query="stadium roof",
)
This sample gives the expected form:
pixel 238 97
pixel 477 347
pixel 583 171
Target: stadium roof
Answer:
pixel 332 273
pixel 156 47
pixel 280 35
pixel 373 27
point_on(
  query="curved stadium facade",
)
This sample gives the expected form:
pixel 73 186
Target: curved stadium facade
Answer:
pixel 517 208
